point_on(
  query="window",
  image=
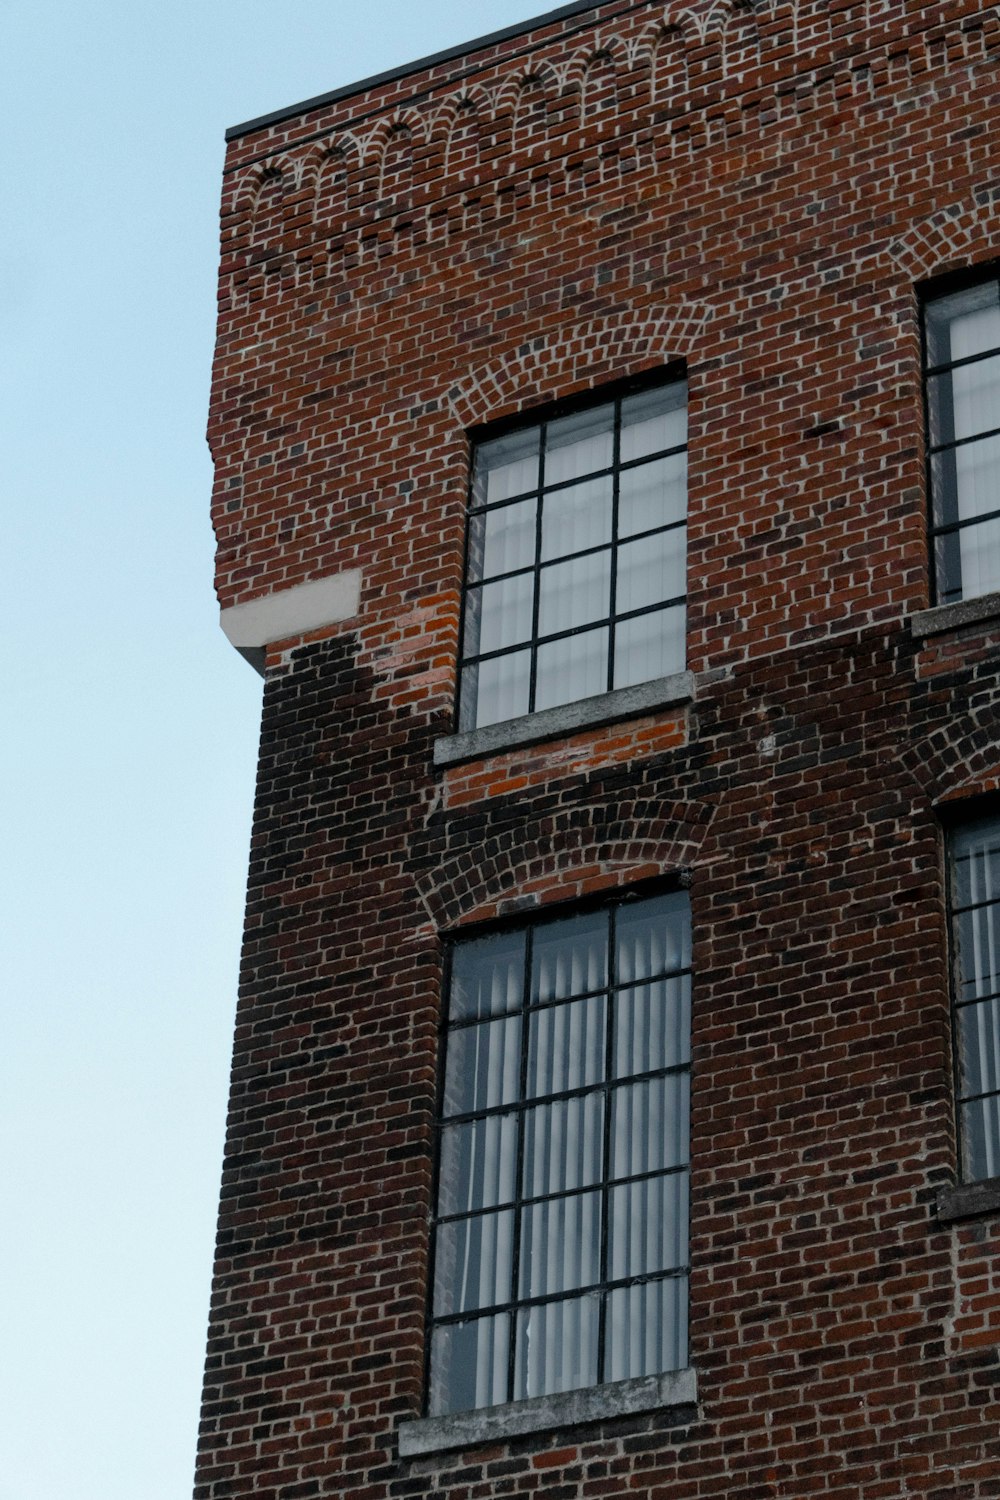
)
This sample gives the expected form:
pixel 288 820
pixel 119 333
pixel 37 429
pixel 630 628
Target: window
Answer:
pixel 962 350
pixel 577 562
pixel 560 1253
pixel 975 902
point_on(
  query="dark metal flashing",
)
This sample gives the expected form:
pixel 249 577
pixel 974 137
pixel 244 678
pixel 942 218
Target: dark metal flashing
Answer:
pixel 450 54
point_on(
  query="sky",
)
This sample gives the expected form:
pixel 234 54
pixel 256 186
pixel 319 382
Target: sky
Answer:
pixel 129 727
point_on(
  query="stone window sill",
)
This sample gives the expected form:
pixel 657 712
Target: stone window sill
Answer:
pixel 568 718
pixel 492 1424
pixel 968 1200
pixel 946 617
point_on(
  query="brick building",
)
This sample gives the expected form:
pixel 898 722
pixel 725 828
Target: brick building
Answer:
pixel 605 420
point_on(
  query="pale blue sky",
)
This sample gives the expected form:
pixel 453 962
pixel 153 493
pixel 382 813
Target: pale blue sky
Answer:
pixel 129 733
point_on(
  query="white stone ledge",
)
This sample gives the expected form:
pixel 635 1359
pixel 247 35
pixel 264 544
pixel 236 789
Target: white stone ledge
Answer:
pixel 599 1403
pixel 280 616
pixel 556 723
pixel 953 616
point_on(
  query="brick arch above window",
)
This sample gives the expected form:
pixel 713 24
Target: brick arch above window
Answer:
pixel 573 357
pixel 956 236
pixel 565 863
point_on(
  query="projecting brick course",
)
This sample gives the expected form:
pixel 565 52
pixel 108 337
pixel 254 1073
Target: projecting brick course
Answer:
pixel 753 190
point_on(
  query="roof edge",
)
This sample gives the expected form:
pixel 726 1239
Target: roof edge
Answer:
pixel 420 65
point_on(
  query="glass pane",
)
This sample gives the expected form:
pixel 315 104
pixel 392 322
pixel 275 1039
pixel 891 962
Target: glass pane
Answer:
pixel 979 547
pixel 981 1138
pixel 652 1027
pixel 472 1263
pixel 976 852
pixel 483 1066
pixel 563 1145
pixel 977 477
pixel 574 592
pixel 566 1047
pixel 499 614
pixel 963 324
pixel 579 445
pixel 948 568
pixel 647 1329
pixel 650 646
pixel 648 1231
pixel 577 517
pixel 652 495
pixel 570 957
pixel 469 1365
pixel 979 1049
pixel 965 401
pixel 651 570
pixel 557 1347
pixel 649 1125
pixel 478 1164
pixel 494 691
pixel 506 466
pixel 487 976
pixel 502 540
pixel 979 952
pixel 653 421
pixel 560 1244
pixel 653 937
pixel 572 668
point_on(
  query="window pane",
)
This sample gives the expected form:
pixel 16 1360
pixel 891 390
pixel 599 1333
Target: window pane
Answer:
pixel 478 1164
pixel 469 1364
pixel 557 1347
pixel 653 494
pixel 483 1066
pixel 487 976
pixel 499 614
pixel 964 401
pixel 651 570
pixel 653 421
pixel 648 1228
pixel 963 324
pixel 579 445
pixel 560 1245
pixel 472 1263
pixel 497 690
pixel 979 547
pixel 650 646
pixel 653 1027
pixel 566 1047
pixel 572 668
pixel 502 540
pixel 979 952
pixel 647 1329
pixel 979 1047
pixel 506 466
pixel 575 592
pixel 653 937
pixel 563 1145
pixel 575 518
pixel 570 957
pixel 981 1138
pixel 977 863
pixel 649 1125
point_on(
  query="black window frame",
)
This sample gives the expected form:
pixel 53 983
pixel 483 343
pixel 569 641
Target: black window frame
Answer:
pixel 540 417
pixel 981 813
pixel 610 904
pixel 928 293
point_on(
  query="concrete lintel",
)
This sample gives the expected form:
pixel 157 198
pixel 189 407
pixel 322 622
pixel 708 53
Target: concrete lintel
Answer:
pixel 953 616
pixel 492 1424
pixel 556 723
pixel 290 612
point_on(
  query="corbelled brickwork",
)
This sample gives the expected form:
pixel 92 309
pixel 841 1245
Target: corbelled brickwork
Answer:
pixel 753 188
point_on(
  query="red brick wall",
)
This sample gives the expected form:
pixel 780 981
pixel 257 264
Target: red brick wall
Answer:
pixel 754 189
